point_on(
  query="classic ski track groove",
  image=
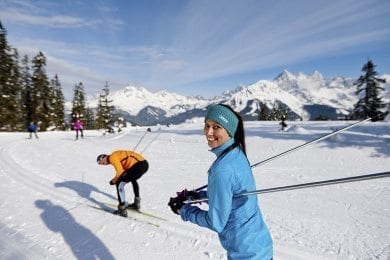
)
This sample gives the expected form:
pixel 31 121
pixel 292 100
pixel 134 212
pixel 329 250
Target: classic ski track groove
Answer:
pixel 29 179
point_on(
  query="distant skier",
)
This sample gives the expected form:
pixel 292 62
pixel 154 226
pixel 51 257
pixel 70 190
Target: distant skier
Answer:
pixel 78 127
pixel 283 123
pixel 237 220
pixel 129 167
pixel 32 128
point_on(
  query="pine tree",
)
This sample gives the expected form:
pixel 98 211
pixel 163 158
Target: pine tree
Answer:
pixel 78 103
pixel 277 112
pixel 264 112
pixel 8 90
pixel 368 90
pixel 42 99
pixel 27 107
pixel 58 104
pixel 104 110
pixel 14 98
pixel 17 121
pixel 89 119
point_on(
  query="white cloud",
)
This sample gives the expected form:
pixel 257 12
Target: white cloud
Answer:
pixel 54 21
pixel 201 41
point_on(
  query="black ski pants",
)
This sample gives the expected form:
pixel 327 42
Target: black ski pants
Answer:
pixel 132 175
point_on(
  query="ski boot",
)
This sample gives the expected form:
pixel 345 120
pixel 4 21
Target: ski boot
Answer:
pixel 136 205
pixel 121 210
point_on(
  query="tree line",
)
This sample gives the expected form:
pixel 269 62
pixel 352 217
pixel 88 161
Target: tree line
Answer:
pixel 28 95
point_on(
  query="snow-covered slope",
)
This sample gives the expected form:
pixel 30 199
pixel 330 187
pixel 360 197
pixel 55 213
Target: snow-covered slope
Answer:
pixel 50 186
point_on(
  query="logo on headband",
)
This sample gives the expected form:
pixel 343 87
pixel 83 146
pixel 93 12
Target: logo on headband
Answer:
pixel 223 119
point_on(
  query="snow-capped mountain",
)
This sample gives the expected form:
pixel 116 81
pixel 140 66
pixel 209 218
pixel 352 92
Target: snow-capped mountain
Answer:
pixel 305 97
pixel 134 99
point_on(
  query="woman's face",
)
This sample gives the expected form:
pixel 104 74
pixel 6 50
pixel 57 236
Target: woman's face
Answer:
pixel 215 134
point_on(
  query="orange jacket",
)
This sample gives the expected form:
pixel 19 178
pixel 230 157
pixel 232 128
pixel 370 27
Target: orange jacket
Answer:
pixel 123 160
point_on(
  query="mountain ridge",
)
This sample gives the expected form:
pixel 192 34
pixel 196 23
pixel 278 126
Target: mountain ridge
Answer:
pixel 305 97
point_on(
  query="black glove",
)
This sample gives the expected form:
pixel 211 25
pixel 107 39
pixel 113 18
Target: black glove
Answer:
pixel 112 182
pixel 176 203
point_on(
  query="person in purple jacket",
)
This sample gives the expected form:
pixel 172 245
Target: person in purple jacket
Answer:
pixel 237 219
pixel 78 126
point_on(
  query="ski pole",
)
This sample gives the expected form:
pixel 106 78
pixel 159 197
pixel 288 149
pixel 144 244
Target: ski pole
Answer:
pixel 301 146
pixel 154 139
pixel 310 142
pixel 142 137
pixel 305 185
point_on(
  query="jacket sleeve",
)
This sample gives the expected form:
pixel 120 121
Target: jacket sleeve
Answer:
pixel 115 160
pixel 220 202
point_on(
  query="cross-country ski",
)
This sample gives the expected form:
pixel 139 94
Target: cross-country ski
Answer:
pixel 141 212
pixel 130 217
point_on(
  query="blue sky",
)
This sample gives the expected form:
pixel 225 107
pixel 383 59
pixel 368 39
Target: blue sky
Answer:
pixel 197 47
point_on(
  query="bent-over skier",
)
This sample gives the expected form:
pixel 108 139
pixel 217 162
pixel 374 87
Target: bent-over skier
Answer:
pixel 129 167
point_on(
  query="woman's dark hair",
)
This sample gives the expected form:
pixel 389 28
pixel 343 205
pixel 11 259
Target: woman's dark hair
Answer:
pixel 239 136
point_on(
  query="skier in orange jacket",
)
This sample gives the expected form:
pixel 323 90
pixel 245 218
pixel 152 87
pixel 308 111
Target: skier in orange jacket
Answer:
pixel 129 167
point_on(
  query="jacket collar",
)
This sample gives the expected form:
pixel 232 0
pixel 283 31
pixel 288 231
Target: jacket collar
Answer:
pixel 220 149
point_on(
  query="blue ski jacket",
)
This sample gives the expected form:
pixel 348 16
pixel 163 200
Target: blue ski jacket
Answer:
pixel 237 220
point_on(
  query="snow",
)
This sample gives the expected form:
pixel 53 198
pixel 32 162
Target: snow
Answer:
pixel 48 183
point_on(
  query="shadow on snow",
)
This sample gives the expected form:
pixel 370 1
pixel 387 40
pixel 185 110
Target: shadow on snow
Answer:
pixel 83 243
pixel 85 190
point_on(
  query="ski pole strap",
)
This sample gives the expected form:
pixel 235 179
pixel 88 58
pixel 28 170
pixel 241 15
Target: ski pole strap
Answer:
pixel 306 185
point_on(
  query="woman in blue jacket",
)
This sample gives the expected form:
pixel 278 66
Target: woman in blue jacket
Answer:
pixel 237 220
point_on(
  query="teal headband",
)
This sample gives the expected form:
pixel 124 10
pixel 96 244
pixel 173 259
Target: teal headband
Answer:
pixel 224 117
